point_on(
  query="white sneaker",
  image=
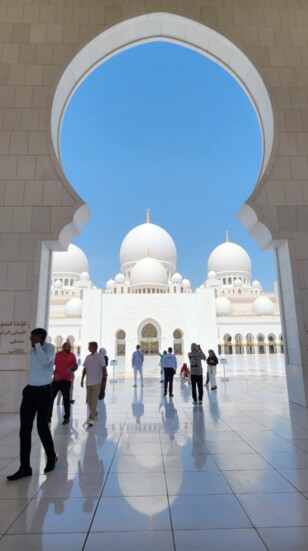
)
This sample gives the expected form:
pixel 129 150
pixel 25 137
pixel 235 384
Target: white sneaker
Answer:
pixel 90 422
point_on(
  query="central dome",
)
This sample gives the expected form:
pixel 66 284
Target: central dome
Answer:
pixel 148 239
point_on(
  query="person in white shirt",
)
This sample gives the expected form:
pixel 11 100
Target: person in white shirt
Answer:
pixel 169 365
pixel 94 369
pixel 137 364
pixel 36 401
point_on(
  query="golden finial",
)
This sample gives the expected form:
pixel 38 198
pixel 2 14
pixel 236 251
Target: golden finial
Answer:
pixel 227 236
pixel 148 216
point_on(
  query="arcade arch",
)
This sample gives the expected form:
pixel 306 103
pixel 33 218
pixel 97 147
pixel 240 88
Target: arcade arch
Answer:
pixel 165 26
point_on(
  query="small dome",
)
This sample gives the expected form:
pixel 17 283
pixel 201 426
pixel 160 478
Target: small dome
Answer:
pixel 73 307
pixel 186 283
pixel 72 261
pixel 110 284
pixel 84 276
pixel 238 282
pixel 223 306
pixel 148 272
pixel 256 284
pixel 263 305
pixel 58 284
pixel 228 258
pixel 119 278
pixel 176 278
pixel 211 275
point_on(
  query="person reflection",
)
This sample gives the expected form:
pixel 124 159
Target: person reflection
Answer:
pixel 90 467
pixel 169 417
pixel 49 503
pixel 198 450
pixel 185 393
pixel 101 430
pixel 138 406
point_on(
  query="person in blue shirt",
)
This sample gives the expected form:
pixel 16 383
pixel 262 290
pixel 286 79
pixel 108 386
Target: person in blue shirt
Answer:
pixel 36 401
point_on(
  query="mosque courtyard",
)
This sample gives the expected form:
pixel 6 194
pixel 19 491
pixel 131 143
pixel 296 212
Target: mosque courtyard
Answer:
pixel 161 474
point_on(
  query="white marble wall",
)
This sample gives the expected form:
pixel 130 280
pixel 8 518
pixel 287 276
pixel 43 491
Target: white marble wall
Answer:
pixel 103 315
pixel 38 40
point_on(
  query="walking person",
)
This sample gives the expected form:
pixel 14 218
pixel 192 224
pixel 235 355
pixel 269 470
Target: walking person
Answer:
pixel 65 365
pixel 36 401
pixel 169 365
pixel 94 369
pixel 212 362
pixel 195 356
pixel 137 364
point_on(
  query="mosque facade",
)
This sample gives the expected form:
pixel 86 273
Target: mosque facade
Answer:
pixel 150 303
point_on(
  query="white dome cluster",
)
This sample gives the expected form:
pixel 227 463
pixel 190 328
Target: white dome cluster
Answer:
pixel 148 263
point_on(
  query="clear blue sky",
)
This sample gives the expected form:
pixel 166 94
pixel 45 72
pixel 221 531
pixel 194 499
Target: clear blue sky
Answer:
pixel 162 127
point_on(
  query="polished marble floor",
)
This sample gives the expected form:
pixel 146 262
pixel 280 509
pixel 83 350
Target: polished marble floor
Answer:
pixel 161 474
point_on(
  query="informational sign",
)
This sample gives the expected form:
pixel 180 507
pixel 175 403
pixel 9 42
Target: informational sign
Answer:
pixel 14 337
pixel 224 361
pixel 113 363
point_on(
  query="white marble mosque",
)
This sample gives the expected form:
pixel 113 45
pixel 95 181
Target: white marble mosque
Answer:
pixel 149 302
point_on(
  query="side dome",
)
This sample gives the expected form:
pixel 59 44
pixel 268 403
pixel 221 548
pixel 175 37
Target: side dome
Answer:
pixel 263 305
pixel 186 283
pixel 256 284
pixel 58 284
pixel 119 278
pixel 149 272
pixel 229 258
pixel 73 307
pixel 84 276
pixel 176 278
pixel 223 306
pixel 110 284
pixel 148 239
pixel 238 282
pixel 211 275
pixel 72 261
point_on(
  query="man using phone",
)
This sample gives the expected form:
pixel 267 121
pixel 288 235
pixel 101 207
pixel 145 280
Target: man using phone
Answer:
pixel 36 401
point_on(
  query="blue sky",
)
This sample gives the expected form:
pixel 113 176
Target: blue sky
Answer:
pixel 159 126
